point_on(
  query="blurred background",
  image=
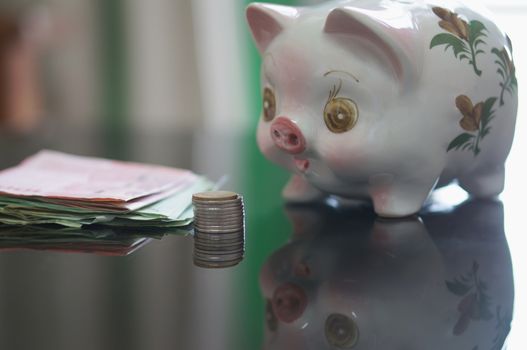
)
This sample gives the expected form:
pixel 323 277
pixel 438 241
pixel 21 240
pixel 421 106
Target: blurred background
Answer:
pixel 128 68
pixel 174 83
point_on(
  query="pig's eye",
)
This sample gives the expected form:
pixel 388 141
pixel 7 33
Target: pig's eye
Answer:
pixel 269 105
pixel 340 114
pixel 341 331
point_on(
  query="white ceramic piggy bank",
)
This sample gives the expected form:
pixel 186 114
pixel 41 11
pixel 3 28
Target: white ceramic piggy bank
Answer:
pixel 385 99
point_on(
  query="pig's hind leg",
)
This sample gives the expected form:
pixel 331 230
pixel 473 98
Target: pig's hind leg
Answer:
pixel 484 183
pixel 298 190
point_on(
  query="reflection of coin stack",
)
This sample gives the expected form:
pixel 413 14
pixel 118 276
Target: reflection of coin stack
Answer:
pixel 219 229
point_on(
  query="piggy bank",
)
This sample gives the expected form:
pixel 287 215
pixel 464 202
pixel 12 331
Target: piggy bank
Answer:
pixel 385 100
pixel 347 280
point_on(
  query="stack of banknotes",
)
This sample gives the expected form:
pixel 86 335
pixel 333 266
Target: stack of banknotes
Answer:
pixel 73 191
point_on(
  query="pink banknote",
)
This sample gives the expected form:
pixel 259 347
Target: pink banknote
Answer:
pixel 55 175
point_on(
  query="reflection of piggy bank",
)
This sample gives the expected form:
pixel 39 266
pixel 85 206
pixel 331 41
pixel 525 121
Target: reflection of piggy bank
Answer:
pixel 348 281
pixel 385 99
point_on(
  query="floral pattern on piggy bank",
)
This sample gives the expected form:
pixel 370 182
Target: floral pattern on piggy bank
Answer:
pixel 385 100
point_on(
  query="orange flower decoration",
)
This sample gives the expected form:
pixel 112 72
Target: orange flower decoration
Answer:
pixel 471 114
pixel 452 23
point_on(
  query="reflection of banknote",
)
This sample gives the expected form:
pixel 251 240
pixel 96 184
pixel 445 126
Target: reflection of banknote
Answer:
pixel 96 240
pixel 89 191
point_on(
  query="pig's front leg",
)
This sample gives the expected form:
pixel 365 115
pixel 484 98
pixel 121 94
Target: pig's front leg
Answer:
pixel 399 198
pixel 298 190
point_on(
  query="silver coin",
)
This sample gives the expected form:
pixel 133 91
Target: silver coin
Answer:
pixel 207 227
pixel 221 253
pixel 226 200
pixel 222 202
pixel 223 240
pixel 204 227
pixel 218 202
pixel 221 218
pixel 233 219
pixel 219 222
pixel 216 265
pixel 208 260
pixel 212 244
pixel 219 228
pixel 216 212
pixel 222 243
pixel 215 218
pixel 224 218
pixel 222 262
pixel 218 236
pixel 215 196
pixel 217 257
pixel 211 250
pixel 219 247
pixel 225 206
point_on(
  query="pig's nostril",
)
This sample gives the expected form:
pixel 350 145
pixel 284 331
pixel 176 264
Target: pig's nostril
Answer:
pixel 287 136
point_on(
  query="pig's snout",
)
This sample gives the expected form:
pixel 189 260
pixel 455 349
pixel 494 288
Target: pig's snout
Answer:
pixel 287 136
pixel 289 302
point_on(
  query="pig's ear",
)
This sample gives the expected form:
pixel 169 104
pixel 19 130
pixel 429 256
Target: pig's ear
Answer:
pixel 398 44
pixel 267 21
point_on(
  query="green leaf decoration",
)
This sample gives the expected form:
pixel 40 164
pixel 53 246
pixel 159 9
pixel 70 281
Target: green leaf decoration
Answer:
pixel 460 141
pixel 457 287
pixel 465 39
pixel 507 71
pixel 487 114
pixel 476 30
pixel 458 46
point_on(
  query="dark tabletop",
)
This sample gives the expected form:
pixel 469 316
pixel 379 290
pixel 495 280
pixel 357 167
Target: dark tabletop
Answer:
pixel 314 276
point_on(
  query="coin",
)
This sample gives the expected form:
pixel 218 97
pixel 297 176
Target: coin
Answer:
pixel 215 219
pixel 215 196
pixel 219 229
pixel 218 257
pixel 222 243
pixel 218 236
pixel 215 264
pixel 231 208
pixel 217 248
pixel 238 224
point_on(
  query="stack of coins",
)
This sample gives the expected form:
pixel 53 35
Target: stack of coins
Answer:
pixel 219 229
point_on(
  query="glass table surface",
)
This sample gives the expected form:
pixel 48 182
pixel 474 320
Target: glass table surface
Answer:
pixel 318 276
